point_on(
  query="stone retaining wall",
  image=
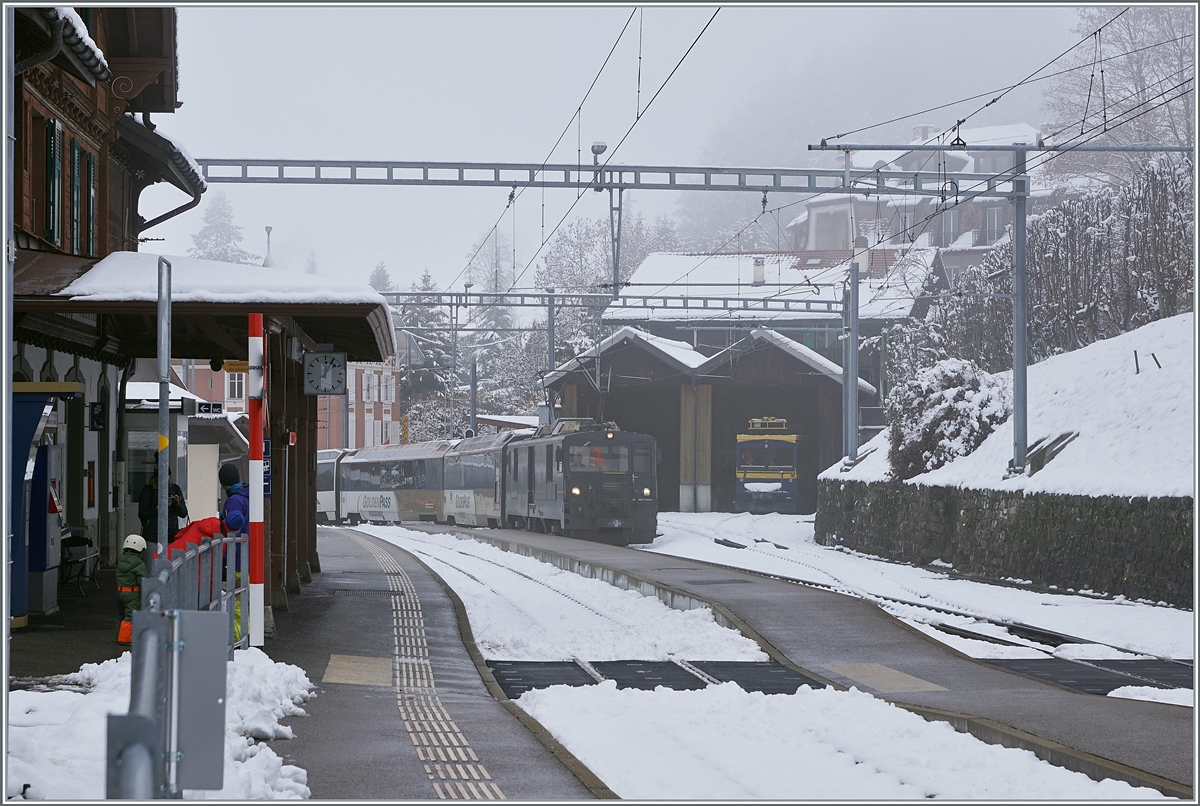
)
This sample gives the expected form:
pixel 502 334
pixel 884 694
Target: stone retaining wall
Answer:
pixel 1137 547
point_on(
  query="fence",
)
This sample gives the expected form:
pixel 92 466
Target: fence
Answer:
pixel 144 756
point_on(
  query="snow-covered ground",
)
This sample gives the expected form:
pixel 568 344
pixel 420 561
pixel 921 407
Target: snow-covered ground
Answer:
pixel 727 744
pixel 524 609
pixel 783 545
pixel 57 738
pixel 719 742
pixel 1135 419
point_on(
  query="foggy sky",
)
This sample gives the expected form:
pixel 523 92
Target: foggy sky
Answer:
pixel 499 84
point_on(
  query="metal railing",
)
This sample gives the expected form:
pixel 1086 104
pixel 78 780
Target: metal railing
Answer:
pixel 142 751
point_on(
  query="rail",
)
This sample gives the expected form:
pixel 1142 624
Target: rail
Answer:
pixel 142 749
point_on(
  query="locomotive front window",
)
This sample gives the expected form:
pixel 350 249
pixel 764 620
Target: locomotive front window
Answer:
pixel 752 457
pixel 599 458
pixel 641 459
pixel 781 455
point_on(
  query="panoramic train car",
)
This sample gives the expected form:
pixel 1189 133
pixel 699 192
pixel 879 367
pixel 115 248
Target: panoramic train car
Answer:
pixel 327 491
pixel 766 468
pixel 583 479
pixel 473 481
pixel 393 483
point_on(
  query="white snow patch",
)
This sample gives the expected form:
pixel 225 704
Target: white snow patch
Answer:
pixel 1174 696
pixel 1141 627
pixel 57 739
pixel 724 743
pixel 545 613
pixel 133 276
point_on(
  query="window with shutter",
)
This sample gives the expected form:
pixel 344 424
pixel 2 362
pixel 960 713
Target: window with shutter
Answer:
pixel 54 147
pixel 76 195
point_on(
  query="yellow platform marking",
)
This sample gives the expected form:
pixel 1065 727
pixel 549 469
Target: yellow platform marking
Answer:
pixel 882 678
pixel 357 670
pixel 450 764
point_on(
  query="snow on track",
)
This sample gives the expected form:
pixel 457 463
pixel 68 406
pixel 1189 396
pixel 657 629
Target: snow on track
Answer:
pixel 784 545
pixel 523 609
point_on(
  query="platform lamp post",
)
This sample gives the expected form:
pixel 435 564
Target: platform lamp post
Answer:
pixel 254 402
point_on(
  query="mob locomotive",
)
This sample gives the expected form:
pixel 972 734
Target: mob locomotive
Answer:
pixel 766 468
pixel 577 478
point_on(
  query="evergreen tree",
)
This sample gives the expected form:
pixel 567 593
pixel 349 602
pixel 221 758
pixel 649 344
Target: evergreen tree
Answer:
pixel 218 239
pixel 423 319
pixel 381 280
pixel 311 266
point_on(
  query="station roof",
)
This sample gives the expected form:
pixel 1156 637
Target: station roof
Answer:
pixel 55 295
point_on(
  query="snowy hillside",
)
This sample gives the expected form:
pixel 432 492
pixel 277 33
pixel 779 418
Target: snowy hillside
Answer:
pixel 1136 428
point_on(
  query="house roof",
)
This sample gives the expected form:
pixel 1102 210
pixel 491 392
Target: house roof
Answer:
pixel 177 165
pixel 693 364
pixel 79 55
pixel 810 357
pixel 676 353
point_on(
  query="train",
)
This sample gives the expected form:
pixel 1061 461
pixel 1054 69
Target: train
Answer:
pixel 576 478
pixel 766 470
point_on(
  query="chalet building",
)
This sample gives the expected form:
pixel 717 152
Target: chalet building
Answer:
pixel 87 83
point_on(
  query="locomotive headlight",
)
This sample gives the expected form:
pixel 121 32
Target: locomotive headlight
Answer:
pixel 646 492
pixel 574 491
pixel 609 435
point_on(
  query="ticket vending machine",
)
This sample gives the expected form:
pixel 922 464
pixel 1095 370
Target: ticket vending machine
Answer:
pixel 45 529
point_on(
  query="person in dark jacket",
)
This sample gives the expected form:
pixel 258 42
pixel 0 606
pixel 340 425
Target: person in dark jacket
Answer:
pixel 130 571
pixel 148 508
pixel 237 497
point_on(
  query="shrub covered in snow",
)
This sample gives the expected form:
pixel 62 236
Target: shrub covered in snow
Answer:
pixel 944 412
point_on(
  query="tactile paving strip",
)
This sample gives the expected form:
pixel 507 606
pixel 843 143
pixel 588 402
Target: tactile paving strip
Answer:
pixel 452 766
pixel 648 675
pixel 769 678
pixel 1085 678
pixel 516 677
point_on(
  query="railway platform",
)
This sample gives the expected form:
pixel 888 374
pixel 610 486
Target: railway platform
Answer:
pixel 850 642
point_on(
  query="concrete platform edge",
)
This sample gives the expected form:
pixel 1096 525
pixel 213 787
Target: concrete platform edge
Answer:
pixel 985 730
pixel 577 768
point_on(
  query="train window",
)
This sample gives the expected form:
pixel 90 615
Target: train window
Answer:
pixel 325 475
pixel 641 459
pixel 549 463
pixel 558 458
pixel 599 458
pixel 781 455
pixel 752 456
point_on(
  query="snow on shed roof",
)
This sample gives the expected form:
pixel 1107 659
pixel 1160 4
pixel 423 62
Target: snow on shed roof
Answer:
pixel 677 352
pixel 814 359
pixel 133 276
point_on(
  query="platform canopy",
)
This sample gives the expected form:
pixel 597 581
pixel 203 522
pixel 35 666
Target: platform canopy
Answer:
pixel 107 309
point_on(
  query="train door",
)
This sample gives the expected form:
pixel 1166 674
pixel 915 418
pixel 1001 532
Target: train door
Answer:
pixel 529 476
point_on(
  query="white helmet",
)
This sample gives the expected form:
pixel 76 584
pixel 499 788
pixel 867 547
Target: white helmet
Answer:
pixel 135 542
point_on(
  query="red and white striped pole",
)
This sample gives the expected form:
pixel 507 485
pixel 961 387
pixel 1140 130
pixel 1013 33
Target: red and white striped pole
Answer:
pixel 254 395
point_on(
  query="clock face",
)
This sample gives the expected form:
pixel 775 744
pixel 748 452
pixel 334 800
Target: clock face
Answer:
pixel 325 373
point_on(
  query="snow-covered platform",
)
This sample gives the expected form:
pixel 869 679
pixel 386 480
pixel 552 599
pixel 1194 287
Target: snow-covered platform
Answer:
pixel 852 643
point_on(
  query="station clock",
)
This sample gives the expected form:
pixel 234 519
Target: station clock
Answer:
pixel 324 373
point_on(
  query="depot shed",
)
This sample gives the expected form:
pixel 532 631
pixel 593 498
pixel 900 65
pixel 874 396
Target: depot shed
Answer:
pixel 694 403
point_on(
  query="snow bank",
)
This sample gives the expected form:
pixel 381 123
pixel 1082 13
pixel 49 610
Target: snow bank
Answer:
pixel 1136 425
pixel 133 276
pixel 1174 696
pixel 524 609
pixel 724 743
pixel 57 739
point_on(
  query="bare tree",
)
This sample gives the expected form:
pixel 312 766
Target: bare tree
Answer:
pixel 1133 84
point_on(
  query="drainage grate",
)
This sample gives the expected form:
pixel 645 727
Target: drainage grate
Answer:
pixel 1087 679
pixel 769 678
pixel 647 675
pixel 517 677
